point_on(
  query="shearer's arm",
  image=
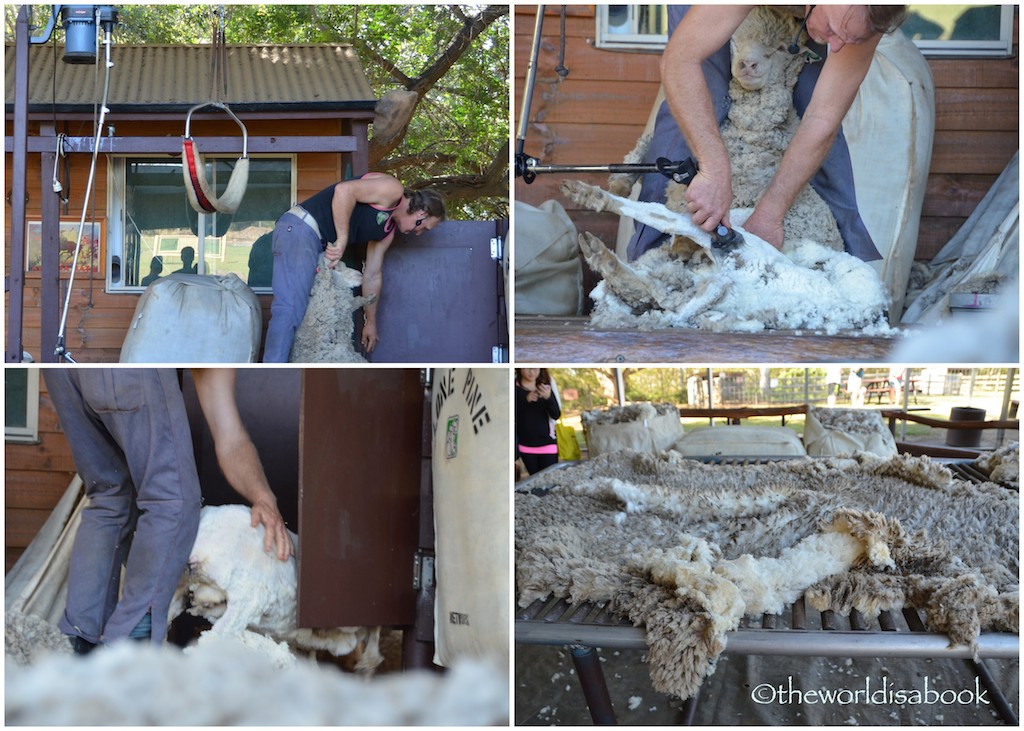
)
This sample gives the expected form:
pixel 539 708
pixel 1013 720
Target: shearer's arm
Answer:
pixel 237 456
pixel 373 283
pixel 702 31
pixel 833 95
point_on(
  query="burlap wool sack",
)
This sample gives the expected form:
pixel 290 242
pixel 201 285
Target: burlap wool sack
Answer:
pixel 548 271
pixel 835 432
pixel 643 427
pixel 741 441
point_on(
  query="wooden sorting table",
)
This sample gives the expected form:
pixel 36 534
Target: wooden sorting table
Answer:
pixel 541 339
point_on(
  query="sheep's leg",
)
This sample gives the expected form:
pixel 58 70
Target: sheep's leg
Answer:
pixel 240 613
pixel 371 656
pixel 623 281
pixel 652 214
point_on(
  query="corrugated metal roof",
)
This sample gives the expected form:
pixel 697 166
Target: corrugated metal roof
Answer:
pixel 161 78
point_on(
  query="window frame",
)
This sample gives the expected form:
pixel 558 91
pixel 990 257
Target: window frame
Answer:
pixel 117 211
pixel 608 41
pixel 28 434
pixel 651 43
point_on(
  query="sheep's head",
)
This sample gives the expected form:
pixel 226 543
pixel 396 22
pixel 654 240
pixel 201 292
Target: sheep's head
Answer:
pixel 760 50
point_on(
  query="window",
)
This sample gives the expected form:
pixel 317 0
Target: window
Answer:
pixel 155 232
pixel 632 27
pixel 21 404
pixel 938 30
pixel 961 30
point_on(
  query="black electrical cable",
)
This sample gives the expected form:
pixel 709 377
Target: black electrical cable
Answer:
pixel 560 69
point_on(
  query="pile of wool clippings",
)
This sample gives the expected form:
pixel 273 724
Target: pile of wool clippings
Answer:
pixel 225 684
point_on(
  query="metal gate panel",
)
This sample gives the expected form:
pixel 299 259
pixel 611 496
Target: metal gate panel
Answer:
pixel 441 297
pixel 359 496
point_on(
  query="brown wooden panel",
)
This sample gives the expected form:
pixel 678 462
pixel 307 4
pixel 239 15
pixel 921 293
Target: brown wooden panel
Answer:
pixel 972 152
pixel 11 556
pixel 584 61
pixel 934 233
pixel 581 144
pixel 35 490
pixel 571 340
pixel 955 195
pixel 36 456
pixel 359 496
pixel 975 73
pixel 22 524
pixel 977 109
pixel 582 100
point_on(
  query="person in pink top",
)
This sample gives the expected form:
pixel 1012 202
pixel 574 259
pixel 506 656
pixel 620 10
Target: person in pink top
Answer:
pixel 537 408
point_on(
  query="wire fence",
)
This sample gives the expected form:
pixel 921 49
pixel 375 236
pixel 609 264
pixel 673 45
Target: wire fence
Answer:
pixel 744 388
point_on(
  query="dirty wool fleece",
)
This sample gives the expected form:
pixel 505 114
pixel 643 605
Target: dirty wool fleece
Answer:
pixel 687 549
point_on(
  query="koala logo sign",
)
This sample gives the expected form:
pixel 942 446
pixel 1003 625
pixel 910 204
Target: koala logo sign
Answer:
pixel 451 438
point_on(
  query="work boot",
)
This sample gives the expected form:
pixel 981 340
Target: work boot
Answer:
pixel 80 645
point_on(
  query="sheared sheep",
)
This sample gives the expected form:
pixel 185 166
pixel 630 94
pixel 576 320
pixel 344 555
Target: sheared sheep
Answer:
pixel 754 287
pixel 325 333
pixel 237 586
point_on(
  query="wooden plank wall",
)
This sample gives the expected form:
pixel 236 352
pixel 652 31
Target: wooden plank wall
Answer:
pixel 35 477
pixel 595 114
pixel 98 321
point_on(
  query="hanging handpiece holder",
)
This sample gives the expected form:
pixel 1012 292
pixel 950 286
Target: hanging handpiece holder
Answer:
pixel 200 194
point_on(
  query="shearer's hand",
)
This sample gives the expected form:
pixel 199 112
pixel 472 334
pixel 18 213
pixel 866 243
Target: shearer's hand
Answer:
pixel 275 531
pixel 708 198
pixel 767 227
pixel 370 337
pixel 333 253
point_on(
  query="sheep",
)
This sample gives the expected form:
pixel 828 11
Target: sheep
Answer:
pixel 325 333
pixel 224 683
pixel 689 283
pixel 759 128
pixel 231 581
pixel 762 122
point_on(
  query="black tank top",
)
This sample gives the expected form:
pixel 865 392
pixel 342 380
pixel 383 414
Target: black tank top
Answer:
pixel 367 223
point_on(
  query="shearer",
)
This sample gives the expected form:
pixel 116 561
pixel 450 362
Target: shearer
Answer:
pixel 695 72
pixel 354 222
pixel 132 446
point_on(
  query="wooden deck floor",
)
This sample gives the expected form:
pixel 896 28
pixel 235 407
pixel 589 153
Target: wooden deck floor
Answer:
pixel 571 340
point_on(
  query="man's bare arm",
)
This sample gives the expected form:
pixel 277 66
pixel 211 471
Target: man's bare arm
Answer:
pixel 237 456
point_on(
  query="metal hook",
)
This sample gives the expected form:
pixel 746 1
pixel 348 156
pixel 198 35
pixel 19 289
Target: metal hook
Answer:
pixel 224 107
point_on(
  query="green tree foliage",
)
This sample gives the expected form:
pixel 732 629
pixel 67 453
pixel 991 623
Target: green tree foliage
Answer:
pixel 659 385
pixel 454 57
pixel 594 388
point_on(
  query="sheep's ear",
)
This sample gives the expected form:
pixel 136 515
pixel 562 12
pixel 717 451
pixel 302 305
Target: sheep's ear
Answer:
pixel 809 55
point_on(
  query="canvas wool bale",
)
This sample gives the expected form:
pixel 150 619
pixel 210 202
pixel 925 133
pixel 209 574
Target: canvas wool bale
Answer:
pixel 644 427
pixel 838 432
pixel 471 464
pixel 193 318
pixel 741 441
pixel 549 273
